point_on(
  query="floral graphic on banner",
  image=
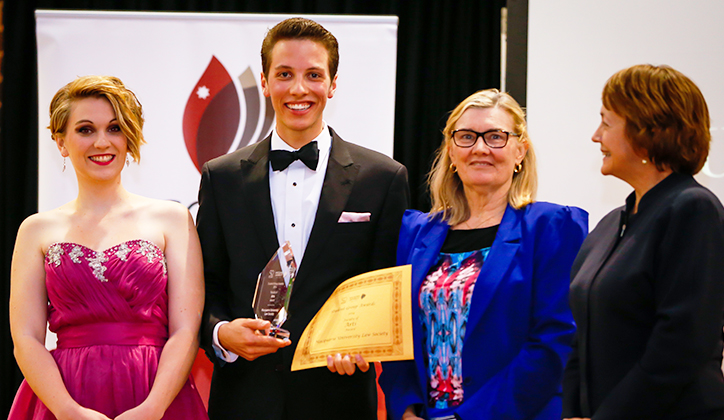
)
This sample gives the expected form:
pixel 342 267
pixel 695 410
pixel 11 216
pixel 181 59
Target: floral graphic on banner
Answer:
pixel 213 112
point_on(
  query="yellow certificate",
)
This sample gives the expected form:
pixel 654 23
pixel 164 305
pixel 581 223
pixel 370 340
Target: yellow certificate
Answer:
pixel 368 314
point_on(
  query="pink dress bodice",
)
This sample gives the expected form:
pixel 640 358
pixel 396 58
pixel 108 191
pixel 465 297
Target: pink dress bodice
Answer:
pixel 110 311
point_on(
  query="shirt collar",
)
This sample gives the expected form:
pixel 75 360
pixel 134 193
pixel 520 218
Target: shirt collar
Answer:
pixel 324 142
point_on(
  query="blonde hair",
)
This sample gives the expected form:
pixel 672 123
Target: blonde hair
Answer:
pixel 446 189
pixel 128 110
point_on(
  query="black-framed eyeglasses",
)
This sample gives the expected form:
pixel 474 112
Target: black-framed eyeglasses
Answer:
pixel 495 139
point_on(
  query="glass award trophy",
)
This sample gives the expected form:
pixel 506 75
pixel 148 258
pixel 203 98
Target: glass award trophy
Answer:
pixel 274 288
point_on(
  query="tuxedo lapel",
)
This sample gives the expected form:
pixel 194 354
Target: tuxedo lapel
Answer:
pixel 496 266
pixel 337 186
pixel 255 191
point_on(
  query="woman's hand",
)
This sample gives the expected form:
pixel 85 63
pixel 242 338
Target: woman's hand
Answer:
pixel 82 413
pixel 142 412
pixel 345 365
pixel 409 414
pixel 578 418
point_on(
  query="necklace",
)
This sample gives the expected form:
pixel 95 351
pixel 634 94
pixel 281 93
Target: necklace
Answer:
pixel 469 226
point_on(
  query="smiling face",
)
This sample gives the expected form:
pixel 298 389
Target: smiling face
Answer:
pixel 299 85
pixel 619 157
pixel 480 167
pixel 93 140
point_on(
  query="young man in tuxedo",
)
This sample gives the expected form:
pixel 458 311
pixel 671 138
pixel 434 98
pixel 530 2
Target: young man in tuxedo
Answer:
pixel 339 205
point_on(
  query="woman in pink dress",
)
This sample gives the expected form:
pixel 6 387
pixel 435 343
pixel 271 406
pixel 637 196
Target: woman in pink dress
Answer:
pixel 117 276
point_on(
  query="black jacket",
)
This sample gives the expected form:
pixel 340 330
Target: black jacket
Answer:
pixel 238 236
pixel 648 298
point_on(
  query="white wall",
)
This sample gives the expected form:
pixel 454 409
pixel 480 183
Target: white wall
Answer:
pixel 574 46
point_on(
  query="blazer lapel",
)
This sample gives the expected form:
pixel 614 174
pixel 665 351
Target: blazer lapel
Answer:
pixel 589 270
pixel 425 254
pixel 497 265
pixel 337 186
pixel 255 191
pixel 599 254
pixel 423 257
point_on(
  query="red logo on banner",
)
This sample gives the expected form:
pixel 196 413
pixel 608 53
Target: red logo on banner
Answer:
pixel 213 112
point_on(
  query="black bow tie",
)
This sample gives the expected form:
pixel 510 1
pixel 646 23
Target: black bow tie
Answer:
pixel 309 155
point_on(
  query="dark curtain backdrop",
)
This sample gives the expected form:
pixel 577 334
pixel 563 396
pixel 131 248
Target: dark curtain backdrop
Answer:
pixel 445 52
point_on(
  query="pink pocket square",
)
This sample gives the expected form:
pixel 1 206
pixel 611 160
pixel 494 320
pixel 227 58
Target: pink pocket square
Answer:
pixel 352 217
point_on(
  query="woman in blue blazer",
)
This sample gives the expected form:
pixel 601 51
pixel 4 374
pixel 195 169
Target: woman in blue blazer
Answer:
pixel 491 321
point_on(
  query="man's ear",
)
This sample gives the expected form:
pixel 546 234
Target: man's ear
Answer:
pixel 332 87
pixel 264 85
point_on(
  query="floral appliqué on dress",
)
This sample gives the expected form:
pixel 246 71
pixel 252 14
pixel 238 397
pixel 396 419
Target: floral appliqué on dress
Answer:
pixel 123 250
pixel 75 254
pixel 54 253
pixel 96 263
pixel 96 260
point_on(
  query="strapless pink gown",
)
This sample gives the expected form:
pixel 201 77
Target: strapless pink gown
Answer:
pixel 110 312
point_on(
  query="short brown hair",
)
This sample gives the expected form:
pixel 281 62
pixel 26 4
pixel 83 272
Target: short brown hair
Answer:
pixel 128 110
pixel 300 28
pixel 666 115
pixel 446 188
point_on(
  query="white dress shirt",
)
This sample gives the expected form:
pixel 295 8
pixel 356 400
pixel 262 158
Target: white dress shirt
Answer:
pixel 295 194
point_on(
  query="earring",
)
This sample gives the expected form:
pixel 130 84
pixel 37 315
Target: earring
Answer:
pixel 453 168
pixel 644 161
pixel 128 162
pixel 63 170
pixel 518 168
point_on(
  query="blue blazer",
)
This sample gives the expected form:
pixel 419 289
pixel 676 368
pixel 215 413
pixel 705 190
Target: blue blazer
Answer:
pixel 519 328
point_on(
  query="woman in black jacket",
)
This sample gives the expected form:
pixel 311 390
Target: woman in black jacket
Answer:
pixel 648 284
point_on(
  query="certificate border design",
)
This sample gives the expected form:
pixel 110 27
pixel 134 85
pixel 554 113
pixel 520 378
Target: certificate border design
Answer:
pixel 377 352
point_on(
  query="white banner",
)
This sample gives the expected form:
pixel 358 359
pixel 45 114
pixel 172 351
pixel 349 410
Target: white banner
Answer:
pixel 198 79
pixel 574 47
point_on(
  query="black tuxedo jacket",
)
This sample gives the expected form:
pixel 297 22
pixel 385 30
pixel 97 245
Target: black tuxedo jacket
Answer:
pixel 238 237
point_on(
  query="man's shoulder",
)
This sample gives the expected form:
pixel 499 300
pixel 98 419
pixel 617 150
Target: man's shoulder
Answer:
pixel 232 159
